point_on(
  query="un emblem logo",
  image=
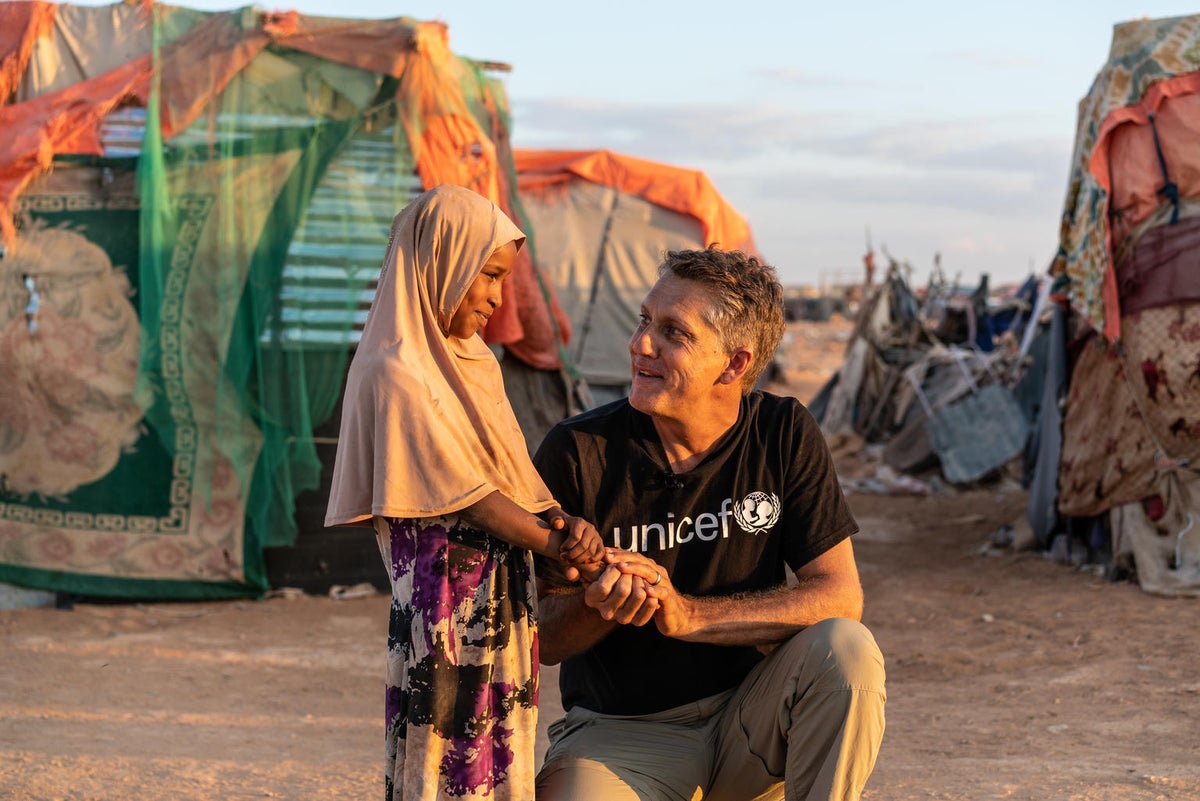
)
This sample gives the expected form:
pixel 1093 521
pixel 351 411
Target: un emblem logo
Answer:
pixel 757 512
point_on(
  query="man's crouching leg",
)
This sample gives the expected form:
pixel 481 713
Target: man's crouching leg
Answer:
pixel 664 755
pixel 808 720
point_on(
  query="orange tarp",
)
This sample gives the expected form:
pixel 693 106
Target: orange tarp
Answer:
pixel 194 68
pixel 685 191
pixel 447 143
pixel 21 25
pixel 200 64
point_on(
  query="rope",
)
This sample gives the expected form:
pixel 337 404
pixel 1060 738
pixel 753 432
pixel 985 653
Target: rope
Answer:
pixel 1169 189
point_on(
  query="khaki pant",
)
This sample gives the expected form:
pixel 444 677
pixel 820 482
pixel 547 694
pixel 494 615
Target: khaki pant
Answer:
pixel 805 724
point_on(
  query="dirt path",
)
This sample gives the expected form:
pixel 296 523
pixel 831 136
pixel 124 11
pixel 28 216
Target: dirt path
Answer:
pixel 1009 677
pixel 1013 677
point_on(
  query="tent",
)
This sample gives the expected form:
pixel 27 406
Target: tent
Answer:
pixel 937 378
pixel 600 224
pixel 1103 357
pixel 1130 439
pixel 193 207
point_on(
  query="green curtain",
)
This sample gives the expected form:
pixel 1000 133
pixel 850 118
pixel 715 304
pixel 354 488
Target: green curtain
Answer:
pixel 262 229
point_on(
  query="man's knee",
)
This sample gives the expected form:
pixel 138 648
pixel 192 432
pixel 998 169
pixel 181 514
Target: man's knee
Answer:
pixel 820 687
pixel 837 653
pixel 576 779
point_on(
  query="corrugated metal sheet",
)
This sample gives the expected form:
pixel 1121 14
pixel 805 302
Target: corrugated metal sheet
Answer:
pixel 340 241
pixel 334 257
pixel 122 131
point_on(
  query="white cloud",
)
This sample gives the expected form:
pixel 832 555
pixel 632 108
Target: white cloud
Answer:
pixel 677 133
pixel 682 133
pixel 983 192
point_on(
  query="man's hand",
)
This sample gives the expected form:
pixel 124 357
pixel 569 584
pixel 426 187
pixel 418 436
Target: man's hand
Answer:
pixel 674 610
pixel 826 587
pixel 620 594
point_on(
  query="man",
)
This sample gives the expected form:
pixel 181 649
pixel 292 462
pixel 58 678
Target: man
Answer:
pixel 719 656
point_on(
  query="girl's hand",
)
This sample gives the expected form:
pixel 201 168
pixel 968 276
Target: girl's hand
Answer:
pixel 581 542
pixel 581 550
pixel 586 573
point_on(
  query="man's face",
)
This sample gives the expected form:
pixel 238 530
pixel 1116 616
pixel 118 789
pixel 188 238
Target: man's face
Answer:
pixel 483 296
pixel 677 357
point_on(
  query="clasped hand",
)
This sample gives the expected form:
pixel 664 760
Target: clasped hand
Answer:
pixel 622 586
pixel 581 550
pixel 634 589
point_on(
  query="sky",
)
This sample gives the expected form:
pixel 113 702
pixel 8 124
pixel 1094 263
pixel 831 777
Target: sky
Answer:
pixel 923 128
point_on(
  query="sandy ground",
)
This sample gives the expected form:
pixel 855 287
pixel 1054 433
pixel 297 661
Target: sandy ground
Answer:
pixel 1009 676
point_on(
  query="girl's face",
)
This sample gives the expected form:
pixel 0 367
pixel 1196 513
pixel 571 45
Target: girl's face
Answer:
pixel 483 296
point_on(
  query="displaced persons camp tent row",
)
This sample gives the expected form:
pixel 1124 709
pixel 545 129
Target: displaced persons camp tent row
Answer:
pixel 1107 370
pixel 193 209
pixel 935 379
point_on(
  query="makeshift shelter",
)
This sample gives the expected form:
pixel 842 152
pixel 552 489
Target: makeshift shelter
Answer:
pixel 1107 369
pixel 193 208
pixel 600 224
pixel 935 377
pixel 1130 441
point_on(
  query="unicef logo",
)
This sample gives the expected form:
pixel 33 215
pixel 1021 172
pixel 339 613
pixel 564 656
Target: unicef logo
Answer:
pixel 757 512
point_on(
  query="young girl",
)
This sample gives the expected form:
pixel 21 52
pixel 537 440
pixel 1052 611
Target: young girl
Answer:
pixel 431 455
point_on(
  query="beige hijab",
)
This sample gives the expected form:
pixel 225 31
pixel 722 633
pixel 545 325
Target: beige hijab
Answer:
pixel 426 427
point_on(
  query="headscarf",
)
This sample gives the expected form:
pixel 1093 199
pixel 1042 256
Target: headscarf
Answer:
pixel 426 427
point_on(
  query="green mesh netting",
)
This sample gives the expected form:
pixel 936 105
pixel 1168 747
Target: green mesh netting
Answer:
pixel 488 102
pixel 262 230
pixel 198 295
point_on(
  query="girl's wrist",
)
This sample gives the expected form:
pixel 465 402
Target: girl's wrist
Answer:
pixel 554 544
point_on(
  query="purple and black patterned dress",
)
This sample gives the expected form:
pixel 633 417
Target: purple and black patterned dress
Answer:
pixel 462 666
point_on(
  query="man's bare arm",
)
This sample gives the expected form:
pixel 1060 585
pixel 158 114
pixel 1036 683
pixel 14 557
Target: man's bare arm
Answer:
pixel 828 587
pixel 573 619
pixel 567 626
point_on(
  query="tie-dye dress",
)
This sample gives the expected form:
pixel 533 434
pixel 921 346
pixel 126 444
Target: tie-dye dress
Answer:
pixel 462 667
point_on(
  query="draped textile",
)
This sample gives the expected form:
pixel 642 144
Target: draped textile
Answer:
pixel 426 427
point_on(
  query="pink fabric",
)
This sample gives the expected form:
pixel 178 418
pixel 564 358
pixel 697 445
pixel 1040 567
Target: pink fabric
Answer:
pixel 1131 156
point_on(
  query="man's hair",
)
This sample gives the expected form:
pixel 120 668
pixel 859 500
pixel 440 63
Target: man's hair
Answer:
pixel 746 308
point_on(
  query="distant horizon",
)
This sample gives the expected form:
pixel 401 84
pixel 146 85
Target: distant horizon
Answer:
pixel 959 288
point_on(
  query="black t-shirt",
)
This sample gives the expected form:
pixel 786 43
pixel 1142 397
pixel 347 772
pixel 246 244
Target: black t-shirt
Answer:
pixel 766 499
